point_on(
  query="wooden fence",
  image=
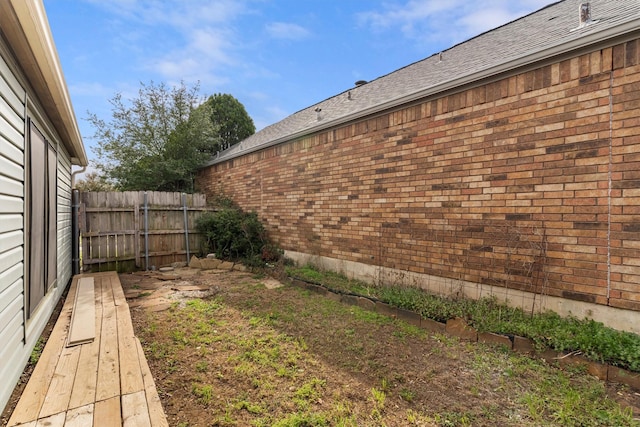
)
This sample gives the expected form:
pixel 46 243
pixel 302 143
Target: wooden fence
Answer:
pixel 137 229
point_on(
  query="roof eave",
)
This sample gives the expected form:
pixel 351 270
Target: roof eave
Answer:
pixel 600 37
pixel 25 25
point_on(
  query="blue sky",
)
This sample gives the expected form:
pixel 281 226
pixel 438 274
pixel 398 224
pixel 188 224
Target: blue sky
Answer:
pixel 274 56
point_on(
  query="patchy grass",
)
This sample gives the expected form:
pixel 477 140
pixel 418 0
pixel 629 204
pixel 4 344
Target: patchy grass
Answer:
pixel 287 357
pixel 592 339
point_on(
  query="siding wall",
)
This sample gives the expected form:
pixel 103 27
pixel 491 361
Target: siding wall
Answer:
pixel 64 218
pixel 529 183
pixel 12 145
pixel 17 335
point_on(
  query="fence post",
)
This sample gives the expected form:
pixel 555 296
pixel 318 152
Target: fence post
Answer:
pixel 146 233
pixel 136 228
pixel 186 223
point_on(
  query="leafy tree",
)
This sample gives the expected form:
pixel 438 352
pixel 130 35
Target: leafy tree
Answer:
pixel 93 182
pixel 231 118
pixel 157 140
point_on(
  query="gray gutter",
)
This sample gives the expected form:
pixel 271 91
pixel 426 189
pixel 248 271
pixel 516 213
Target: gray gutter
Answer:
pixel 579 43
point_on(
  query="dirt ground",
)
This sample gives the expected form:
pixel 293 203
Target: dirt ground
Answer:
pixel 234 348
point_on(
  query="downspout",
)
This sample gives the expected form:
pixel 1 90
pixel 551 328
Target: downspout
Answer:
pixel 75 223
pixel 609 187
pixel 73 176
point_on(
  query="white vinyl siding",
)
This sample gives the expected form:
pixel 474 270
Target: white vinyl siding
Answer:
pixel 12 191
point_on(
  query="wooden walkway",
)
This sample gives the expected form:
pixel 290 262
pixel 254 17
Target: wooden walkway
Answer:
pixel 106 382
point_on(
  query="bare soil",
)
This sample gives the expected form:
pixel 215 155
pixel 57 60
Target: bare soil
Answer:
pixel 233 348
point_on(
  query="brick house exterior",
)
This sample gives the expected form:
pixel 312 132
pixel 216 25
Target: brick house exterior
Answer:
pixel 520 179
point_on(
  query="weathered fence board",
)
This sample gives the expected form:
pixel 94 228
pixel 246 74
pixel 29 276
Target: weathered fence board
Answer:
pixel 135 229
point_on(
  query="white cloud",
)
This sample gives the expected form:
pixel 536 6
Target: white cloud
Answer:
pixel 407 15
pixel 288 31
pixel 479 21
pixel 449 21
pixel 185 40
pixel 174 13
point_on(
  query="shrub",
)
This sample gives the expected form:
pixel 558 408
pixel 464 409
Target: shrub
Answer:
pixel 232 233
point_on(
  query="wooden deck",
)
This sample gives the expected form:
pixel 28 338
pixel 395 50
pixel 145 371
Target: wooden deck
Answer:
pixel 106 382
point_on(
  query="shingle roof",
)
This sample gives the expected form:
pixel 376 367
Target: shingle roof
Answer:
pixel 550 31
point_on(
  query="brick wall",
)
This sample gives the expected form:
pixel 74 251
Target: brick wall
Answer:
pixel 531 182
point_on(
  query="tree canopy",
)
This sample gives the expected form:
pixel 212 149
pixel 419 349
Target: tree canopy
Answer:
pixel 159 139
pixel 231 118
pixel 93 182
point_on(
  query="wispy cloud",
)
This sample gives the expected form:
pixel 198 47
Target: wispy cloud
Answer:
pixel 449 21
pixel 198 37
pixel 288 31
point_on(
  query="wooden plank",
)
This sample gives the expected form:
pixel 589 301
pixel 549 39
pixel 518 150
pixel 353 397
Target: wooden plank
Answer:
pixel 109 209
pixel 80 417
pixel 85 385
pixel 109 232
pixel 56 420
pixel 83 318
pixel 107 413
pixel 156 412
pixel 105 260
pixel 35 391
pixel 130 373
pixel 108 364
pixel 59 393
pixel 134 410
pixel 118 294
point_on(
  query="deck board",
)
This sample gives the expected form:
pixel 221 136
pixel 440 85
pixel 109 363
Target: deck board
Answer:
pixel 134 410
pixel 86 382
pixel 59 393
pixel 37 387
pixel 106 382
pixel 80 417
pixel 107 413
pixel 83 319
pixel 109 364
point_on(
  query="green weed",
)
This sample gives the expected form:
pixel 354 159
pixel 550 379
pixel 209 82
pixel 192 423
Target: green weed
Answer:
pixel 378 398
pixel 454 419
pixel 308 393
pixel 37 351
pixel 204 392
pixel 407 395
pixel 302 420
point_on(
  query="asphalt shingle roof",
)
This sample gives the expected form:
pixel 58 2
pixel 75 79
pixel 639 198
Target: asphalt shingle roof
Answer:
pixel 548 32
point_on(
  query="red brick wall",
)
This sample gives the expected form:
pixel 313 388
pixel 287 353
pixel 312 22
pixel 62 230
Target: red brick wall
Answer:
pixel 531 182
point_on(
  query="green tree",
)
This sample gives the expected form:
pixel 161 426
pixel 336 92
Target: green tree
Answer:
pixel 93 182
pixel 157 140
pixel 232 120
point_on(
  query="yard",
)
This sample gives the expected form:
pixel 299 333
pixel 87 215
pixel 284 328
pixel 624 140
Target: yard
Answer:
pixel 239 349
